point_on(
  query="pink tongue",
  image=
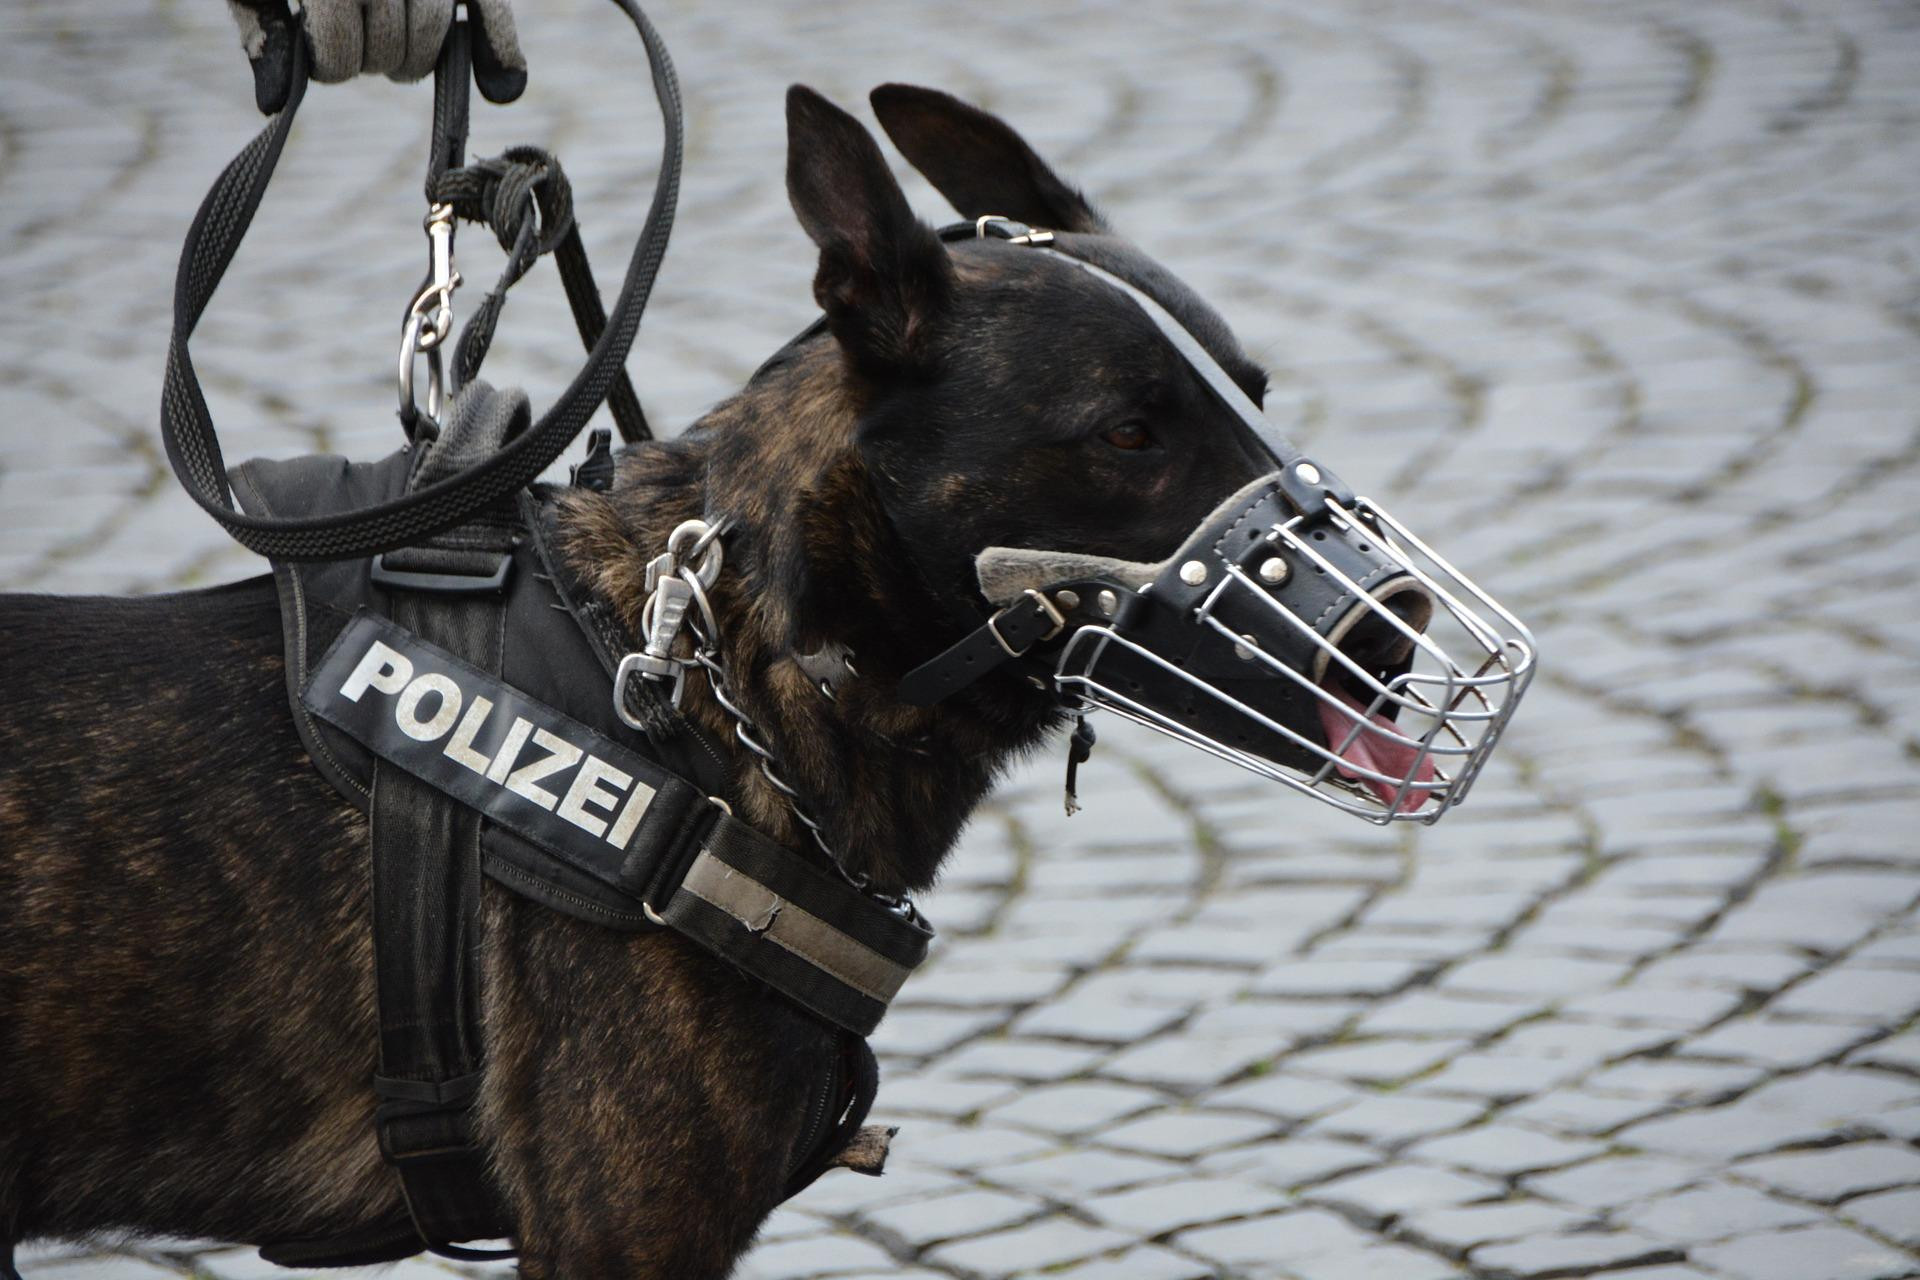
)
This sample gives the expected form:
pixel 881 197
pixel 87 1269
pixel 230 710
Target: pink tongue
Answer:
pixel 1373 751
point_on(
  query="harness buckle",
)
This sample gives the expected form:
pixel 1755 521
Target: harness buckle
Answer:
pixel 1052 614
pixel 994 226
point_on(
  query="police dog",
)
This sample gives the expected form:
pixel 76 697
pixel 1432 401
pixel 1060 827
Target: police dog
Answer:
pixel 186 986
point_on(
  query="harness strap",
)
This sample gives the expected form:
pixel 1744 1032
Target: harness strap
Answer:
pixel 427 866
pixel 1024 627
pixel 193 446
pixel 1007 635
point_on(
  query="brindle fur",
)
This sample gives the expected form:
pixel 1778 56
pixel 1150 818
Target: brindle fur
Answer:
pixel 186 998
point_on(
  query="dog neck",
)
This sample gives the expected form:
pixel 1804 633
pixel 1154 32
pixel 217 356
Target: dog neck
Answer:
pixel 812 566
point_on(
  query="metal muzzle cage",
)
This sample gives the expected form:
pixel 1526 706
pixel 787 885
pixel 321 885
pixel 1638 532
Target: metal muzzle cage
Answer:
pixel 1301 632
pixel 1335 653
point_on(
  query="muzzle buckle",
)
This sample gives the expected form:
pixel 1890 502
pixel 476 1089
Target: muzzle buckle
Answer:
pixel 1047 610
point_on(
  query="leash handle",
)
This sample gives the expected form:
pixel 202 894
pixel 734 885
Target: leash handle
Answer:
pixel 186 426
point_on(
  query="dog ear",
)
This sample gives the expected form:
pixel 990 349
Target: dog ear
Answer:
pixel 884 276
pixel 978 162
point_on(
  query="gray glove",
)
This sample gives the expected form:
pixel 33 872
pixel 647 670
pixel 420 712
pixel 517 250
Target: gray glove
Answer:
pixel 400 39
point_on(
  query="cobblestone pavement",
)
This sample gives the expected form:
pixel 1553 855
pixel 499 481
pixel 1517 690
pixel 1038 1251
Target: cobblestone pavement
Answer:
pixel 1620 302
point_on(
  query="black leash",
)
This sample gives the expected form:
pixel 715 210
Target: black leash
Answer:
pixel 186 427
pixel 523 195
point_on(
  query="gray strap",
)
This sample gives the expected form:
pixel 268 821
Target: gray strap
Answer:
pixel 793 927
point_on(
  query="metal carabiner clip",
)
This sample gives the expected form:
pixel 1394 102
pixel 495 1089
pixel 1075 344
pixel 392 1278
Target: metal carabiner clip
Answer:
pixel 429 319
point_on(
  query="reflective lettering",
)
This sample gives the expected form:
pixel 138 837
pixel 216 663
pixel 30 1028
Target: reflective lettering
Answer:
pixel 387 670
pixel 406 712
pixel 589 788
pixel 521 781
pixel 460 746
pixel 629 819
pixel 510 749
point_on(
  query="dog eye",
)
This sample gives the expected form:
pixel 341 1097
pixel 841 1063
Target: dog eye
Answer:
pixel 1128 435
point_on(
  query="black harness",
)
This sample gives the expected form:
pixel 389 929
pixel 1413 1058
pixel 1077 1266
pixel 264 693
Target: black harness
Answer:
pixel 453 680
pixel 459 692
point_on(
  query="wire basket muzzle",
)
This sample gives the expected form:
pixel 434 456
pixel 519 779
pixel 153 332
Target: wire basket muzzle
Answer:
pixel 1334 653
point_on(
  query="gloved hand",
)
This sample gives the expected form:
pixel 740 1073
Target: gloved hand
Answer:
pixel 400 39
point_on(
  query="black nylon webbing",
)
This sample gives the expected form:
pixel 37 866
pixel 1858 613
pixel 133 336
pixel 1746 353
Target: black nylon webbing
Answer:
pixel 186 427
pixel 426 927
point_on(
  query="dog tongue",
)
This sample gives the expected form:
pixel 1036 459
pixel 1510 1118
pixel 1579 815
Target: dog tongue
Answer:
pixel 1376 752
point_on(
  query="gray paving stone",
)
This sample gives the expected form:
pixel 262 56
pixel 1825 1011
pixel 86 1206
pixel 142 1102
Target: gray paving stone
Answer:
pixel 1073 1108
pixel 1893 1214
pixel 920 1223
pixel 1401 1187
pixel 1587 1042
pixel 1390 1120
pixel 1678 1007
pixel 1834 1173
pixel 1192 1060
pixel 1577 1253
pixel 1042 1245
pixel 952 984
pixel 1825 1251
pixel 1100 1020
pixel 1514 973
pixel 1775 1042
pixel 939 1096
pixel 1574 1111
pixel 1424 1013
pixel 1031 1060
pixel 1171 1206
pixel 1722 1133
pixel 1072 1174
pixel 1836 1095
pixel 1674 1079
pixel 1284 1022
pixel 1457 1228
pixel 1503 1150
pixel 784 1223
pixel 1876 996
pixel 1148 1262
pixel 815 1256
pixel 1290 1162
pixel 1715 1212
pixel 1317 977
pixel 1376 1262
pixel 903 1180
pixel 1186 1134
pixel 1899 949
pixel 1504 1076
pixel 1737 969
pixel 1901 1052
pixel 1376 1061
pixel 972 1147
pixel 1279 1238
pixel 1286 1096
pixel 1615 1180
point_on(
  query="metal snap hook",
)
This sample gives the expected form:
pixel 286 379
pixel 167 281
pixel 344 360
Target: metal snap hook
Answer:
pixel 429 321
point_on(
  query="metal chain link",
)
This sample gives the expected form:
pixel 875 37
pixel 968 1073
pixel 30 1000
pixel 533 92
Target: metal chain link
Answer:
pixel 707 654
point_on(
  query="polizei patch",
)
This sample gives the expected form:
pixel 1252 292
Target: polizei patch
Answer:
pixel 527 767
